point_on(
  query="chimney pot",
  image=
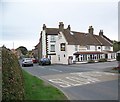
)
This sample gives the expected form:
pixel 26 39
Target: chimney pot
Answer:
pixel 44 26
pixel 101 33
pixel 91 30
pixel 69 28
pixel 61 26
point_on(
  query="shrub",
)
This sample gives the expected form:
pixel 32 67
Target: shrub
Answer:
pixel 91 61
pixel 12 78
pixel 102 60
pixel 118 57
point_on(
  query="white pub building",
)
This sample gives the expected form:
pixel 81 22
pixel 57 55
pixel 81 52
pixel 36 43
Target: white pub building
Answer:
pixel 64 46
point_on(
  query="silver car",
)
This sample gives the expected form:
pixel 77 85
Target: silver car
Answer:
pixel 27 62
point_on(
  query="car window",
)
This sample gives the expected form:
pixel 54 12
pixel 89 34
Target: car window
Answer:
pixel 27 59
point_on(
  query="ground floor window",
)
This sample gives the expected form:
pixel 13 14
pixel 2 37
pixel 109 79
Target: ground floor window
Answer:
pixel 87 57
pixel 113 55
pixel 84 57
pixel 77 57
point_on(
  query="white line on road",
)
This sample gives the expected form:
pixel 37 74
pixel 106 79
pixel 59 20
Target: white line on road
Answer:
pixel 55 70
pixel 41 66
pixel 80 78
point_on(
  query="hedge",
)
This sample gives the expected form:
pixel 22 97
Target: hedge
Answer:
pixel 91 61
pixel 102 60
pixel 12 78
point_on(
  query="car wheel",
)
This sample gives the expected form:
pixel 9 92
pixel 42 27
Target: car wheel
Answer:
pixel 22 65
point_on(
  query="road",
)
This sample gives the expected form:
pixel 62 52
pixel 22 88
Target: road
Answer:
pixel 81 81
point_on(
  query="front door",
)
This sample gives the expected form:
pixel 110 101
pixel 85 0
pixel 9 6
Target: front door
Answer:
pixel 106 56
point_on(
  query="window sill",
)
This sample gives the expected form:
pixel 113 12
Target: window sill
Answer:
pixel 52 51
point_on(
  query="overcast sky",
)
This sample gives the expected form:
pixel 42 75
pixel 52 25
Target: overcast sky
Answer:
pixel 22 20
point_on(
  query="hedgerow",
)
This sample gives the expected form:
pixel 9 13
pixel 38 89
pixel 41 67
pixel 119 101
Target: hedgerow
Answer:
pixel 12 78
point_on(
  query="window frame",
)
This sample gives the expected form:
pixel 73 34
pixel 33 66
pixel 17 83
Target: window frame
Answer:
pixel 62 48
pixel 52 38
pixel 51 50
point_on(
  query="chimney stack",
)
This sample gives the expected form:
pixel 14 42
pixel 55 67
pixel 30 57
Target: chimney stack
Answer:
pixel 69 28
pixel 101 33
pixel 91 30
pixel 44 26
pixel 61 26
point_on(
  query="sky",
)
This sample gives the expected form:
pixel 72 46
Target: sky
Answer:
pixel 22 20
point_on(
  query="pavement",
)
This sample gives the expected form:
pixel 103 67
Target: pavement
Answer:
pixel 80 81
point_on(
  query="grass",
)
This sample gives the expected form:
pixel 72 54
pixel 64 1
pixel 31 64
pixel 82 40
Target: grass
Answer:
pixel 36 89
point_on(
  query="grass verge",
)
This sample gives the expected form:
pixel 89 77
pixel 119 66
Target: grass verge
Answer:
pixel 36 89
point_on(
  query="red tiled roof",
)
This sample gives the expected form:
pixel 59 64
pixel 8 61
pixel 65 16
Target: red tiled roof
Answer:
pixel 103 41
pixel 78 38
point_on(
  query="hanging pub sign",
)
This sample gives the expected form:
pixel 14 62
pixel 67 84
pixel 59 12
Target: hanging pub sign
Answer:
pixel 62 46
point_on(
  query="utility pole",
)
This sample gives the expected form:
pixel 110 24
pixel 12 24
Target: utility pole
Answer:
pixel 13 45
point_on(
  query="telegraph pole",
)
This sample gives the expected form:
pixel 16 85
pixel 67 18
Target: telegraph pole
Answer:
pixel 13 45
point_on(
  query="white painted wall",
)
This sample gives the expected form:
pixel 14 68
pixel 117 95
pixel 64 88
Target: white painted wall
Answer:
pixel 53 59
pixel 92 48
pixel 62 54
pixel 103 48
pixel 82 48
pixel 43 43
pixel 111 48
pixel 98 48
pixel 71 50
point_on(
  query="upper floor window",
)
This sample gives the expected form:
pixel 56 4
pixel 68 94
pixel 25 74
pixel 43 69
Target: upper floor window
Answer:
pixel 95 48
pixel 62 46
pixel 88 47
pixel 76 47
pixel 52 38
pixel 52 48
pixel 107 47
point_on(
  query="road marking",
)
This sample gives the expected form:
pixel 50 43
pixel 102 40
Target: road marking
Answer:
pixel 80 78
pixel 41 66
pixel 61 82
pixel 55 70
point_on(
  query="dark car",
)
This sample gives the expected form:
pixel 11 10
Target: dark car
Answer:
pixel 44 61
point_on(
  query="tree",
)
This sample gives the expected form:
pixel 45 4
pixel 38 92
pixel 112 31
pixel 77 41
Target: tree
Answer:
pixel 116 46
pixel 23 50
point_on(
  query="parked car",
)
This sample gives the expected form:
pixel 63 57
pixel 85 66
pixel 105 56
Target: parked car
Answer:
pixel 44 61
pixel 27 62
pixel 34 60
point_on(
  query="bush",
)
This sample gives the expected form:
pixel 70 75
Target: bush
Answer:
pixel 118 57
pixel 91 61
pixel 12 78
pixel 102 60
